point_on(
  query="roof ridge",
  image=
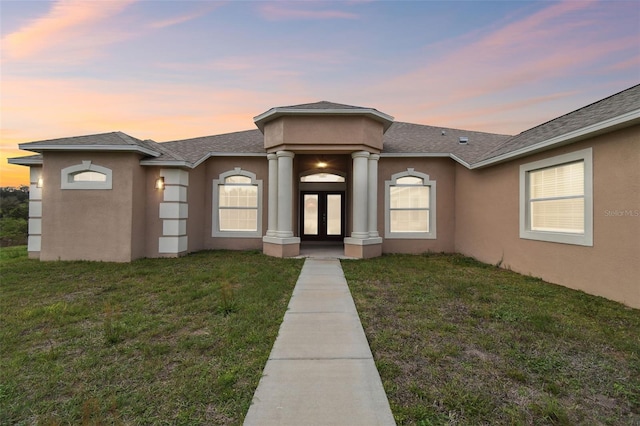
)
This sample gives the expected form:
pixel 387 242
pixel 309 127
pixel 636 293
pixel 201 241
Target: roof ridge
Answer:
pixel 496 151
pixel 208 136
pixel 577 110
pixel 130 140
pixel 451 128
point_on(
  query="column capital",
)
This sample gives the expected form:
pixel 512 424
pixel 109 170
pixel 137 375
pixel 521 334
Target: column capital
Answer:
pixel 285 154
pixel 374 157
pixel 272 156
pixel 360 154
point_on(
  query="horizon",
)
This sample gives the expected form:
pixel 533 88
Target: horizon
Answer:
pixel 169 70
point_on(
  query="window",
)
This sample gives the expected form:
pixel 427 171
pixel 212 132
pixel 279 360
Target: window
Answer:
pixel 89 177
pixel 556 202
pixel 237 205
pixel 86 176
pixel 410 204
pixel 322 177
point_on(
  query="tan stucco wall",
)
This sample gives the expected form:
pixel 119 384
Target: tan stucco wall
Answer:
pixel 153 223
pixel 212 169
pixel 441 170
pixel 92 224
pixel 324 132
pixel 196 223
pixel 487 221
pixel 139 211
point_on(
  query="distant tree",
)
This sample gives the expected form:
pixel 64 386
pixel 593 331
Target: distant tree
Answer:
pixel 14 215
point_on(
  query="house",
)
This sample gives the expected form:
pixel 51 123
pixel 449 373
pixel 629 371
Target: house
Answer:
pixel 560 201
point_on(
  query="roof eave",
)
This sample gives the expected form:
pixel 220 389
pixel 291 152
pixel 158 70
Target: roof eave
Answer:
pixel 183 163
pixel 625 120
pixel 40 148
pixel 424 155
pixel 273 113
pixel 25 161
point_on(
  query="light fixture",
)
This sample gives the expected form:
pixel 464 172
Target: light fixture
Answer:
pixel 160 182
pixel 39 183
pixel 322 164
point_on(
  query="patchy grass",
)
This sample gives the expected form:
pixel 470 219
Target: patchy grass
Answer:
pixel 171 341
pixel 460 342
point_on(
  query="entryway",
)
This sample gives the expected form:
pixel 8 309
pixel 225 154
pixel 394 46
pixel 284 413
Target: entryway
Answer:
pixel 322 216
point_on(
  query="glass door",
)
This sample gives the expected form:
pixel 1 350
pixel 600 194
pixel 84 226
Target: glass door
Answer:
pixel 322 215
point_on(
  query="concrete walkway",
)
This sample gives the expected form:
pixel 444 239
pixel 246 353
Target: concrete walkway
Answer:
pixel 320 370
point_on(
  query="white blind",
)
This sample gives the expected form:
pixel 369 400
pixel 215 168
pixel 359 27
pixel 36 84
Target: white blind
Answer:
pixel 562 181
pixel 89 177
pixel 556 201
pixel 238 205
pixel 409 197
pixel 238 196
pixel 409 206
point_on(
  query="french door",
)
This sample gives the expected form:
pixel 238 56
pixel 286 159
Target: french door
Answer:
pixel 322 215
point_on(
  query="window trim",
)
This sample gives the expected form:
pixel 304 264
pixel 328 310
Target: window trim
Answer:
pixel 67 182
pixel 431 234
pixel 215 224
pixel 583 239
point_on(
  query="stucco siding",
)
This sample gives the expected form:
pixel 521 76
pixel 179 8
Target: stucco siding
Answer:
pixel 214 167
pixel 89 224
pixel 153 223
pixel 330 133
pixel 197 208
pixel 138 211
pixel 487 221
pixel 440 170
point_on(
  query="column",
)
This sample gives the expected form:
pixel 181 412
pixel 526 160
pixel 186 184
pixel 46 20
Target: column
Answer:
pixel 34 240
pixel 285 194
pixel 373 195
pixel 360 192
pixel 273 195
pixel 174 212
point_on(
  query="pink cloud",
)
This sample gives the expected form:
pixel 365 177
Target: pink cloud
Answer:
pixel 287 11
pixel 482 70
pixel 186 17
pixel 67 21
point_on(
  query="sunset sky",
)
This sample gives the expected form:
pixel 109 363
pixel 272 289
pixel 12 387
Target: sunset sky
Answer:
pixel 167 70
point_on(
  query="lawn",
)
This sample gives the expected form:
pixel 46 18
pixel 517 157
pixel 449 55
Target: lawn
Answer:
pixel 184 341
pixel 156 341
pixel 460 342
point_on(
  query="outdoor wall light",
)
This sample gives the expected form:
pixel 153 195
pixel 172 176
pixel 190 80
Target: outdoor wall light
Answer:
pixel 322 164
pixel 39 182
pixel 160 182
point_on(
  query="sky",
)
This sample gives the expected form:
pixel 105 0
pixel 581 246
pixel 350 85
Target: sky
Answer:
pixel 169 70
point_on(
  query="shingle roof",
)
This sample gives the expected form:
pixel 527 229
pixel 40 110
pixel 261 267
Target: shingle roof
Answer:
pixel 98 141
pixel 323 105
pixel 27 160
pixel 112 138
pixel 401 138
pixel 193 150
pixel 322 108
pixel 590 115
pixel 407 138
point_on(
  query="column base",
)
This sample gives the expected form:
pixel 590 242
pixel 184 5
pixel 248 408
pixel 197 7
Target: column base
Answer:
pixel 281 247
pixel 365 248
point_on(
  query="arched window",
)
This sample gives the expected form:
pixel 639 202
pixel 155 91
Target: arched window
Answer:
pixel 237 205
pixel 410 206
pixel 89 177
pixel 322 177
pixel 86 176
